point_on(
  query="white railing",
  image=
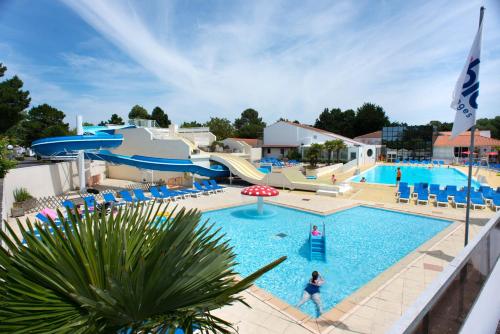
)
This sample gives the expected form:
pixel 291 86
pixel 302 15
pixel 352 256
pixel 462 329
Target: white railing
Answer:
pixel 143 123
pixel 189 130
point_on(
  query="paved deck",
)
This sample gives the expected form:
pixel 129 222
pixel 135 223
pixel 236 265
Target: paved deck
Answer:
pixel 375 306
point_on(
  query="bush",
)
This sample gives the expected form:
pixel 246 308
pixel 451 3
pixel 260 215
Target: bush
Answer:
pixel 5 162
pixel 21 195
pixel 19 158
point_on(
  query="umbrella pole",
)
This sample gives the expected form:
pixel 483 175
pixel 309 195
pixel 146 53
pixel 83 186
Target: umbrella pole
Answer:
pixel 260 205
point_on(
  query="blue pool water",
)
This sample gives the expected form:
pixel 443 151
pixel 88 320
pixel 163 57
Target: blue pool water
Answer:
pixel 438 175
pixel 361 243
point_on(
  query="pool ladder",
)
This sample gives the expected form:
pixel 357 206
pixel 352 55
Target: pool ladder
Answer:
pixel 317 245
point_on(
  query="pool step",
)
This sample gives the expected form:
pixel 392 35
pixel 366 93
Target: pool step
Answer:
pixel 317 246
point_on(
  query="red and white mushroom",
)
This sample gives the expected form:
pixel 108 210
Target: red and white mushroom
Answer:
pixel 260 192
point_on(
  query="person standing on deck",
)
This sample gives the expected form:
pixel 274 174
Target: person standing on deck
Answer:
pixel 398 177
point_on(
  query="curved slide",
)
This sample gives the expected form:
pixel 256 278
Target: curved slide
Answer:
pixel 95 147
pixel 239 166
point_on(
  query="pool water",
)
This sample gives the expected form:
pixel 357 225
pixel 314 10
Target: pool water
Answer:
pixel 438 175
pixel 361 242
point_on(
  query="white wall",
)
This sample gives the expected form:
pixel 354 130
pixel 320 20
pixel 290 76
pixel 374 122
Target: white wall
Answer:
pixel 40 181
pixel 139 141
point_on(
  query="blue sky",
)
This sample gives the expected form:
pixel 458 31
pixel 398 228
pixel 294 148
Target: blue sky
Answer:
pixel 198 59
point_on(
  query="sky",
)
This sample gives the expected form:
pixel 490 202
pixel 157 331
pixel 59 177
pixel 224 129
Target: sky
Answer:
pixel 198 59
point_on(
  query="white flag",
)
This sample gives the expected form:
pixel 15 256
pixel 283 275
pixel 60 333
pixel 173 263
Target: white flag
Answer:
pixel 467 89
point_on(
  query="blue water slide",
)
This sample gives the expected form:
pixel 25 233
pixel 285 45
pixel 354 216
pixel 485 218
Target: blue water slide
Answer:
pixel 94 147
pixel 159 164
pixel 57 146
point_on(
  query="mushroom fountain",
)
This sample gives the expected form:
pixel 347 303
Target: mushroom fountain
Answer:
pixel 260 192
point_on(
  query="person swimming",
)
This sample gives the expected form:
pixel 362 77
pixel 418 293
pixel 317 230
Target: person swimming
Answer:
pixel 311 291
pixel 363 179
pixel 315 232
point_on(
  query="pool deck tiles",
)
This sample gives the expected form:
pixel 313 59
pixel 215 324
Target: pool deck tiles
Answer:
pixel 372 308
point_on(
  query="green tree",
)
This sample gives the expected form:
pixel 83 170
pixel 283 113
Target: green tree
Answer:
pixel 138 111
pixel 192 124
pixel 330 146
pixel 338 145
pixel 6 162
pixel 337 121
pixel 116 120
pixel 87 124
pixel 441 126
pixel 369 118
pixel 43 121
pixel 13 101
pixel 220 127
pixel 492 124
pixel 249 125
pixel 122 272
pixel 160 117
pixel 313 154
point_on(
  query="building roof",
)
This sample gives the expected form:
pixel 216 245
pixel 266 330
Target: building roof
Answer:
pixel 328 133
pixel 250 141
pixel 371 135
pixel 463 140
pixel 279 146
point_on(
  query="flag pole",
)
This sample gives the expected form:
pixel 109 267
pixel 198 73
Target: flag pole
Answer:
pixel 471 158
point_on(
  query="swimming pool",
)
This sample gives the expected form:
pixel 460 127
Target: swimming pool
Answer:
pixel 361 243
pixel 438 175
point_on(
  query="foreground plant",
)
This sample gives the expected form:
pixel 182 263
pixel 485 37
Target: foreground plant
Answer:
pixel 124 272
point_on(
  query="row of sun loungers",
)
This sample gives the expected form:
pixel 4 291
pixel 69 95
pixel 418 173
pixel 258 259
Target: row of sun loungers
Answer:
pixel 422 193
pixel 162 193
pixel 420 162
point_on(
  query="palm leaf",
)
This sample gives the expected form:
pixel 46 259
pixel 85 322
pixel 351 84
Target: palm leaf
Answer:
pixel 127 271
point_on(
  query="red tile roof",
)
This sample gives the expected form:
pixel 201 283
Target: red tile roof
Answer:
pixel 375 134
pixel 463 140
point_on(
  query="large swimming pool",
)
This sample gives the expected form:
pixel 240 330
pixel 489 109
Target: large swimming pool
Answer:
pixel 361 243
pixel 438 175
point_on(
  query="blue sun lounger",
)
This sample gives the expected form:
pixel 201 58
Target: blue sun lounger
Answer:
pixel 216 186
pixel 434 190
pixel 158 195
pixel 476 200
pixel 442 198
pixel 460 199
pixel 451 191
pixel 209 186
pixel 127 197
pixel 423 196
pixel 90 201
pixel 184 192
pixel 68 204
pixel 404 195
pixel 205 191
pixel 495 202
pixel 175 195
pixel 139 194
pixel 110 198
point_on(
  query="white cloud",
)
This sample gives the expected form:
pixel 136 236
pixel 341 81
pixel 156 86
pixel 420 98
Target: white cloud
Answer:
pixel 291 59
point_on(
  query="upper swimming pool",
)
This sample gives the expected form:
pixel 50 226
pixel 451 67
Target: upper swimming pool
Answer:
pixel 438 175
pixel 361 243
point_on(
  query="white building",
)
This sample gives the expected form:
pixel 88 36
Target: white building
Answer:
pixel 247 148
pixel 283 136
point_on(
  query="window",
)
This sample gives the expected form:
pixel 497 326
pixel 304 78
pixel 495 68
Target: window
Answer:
pixel 414 142
pixel 353 155
pixel 369 153
pixel 282 151
pixel 269 150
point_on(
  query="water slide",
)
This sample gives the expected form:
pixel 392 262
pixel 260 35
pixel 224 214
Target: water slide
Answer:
pixel 239 166
pixel 95 148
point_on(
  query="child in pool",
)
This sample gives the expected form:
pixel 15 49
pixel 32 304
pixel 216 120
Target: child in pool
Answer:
pixel 315 231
